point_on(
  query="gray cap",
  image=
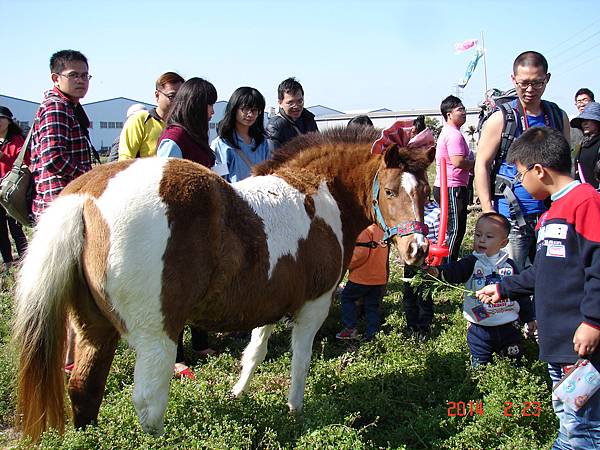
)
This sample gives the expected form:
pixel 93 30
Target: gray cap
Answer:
pixel 590 112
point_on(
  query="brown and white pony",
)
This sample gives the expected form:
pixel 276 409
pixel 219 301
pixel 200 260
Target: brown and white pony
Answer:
pixel 138 248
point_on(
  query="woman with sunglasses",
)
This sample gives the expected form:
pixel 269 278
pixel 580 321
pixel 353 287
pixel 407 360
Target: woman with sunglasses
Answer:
pixel 242 142
pixel 11 142
pixel 186 136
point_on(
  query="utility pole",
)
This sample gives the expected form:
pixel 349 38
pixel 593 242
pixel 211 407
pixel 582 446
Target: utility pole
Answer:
pixel 484 65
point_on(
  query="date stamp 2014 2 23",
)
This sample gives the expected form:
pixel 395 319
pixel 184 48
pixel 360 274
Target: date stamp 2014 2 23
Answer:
pixel 471 408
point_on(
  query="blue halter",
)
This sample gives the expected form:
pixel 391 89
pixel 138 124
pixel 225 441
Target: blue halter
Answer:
pixel 401 229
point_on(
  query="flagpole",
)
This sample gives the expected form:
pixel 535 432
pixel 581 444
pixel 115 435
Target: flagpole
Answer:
pixel 484 65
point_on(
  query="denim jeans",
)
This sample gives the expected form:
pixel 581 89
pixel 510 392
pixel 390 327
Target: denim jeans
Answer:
pixel 371 296
pixel 577 429
pixel 483 342
pixel 522 242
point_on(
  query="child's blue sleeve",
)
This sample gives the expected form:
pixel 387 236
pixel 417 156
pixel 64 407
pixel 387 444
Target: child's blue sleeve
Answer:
pixel 526 309
pixel 517 285
pixel 458 271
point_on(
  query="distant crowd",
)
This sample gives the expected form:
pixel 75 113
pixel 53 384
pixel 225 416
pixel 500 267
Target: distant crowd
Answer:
pixel 535 174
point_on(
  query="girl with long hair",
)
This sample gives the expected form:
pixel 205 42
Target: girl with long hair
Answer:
pixel 11 142
pixel 186 136
pixel 186 133
pixel 241 142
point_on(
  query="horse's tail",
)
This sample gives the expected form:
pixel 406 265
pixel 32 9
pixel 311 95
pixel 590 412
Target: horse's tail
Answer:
pixel 47 284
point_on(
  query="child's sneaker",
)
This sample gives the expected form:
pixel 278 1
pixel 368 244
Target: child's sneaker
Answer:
pixel 347 333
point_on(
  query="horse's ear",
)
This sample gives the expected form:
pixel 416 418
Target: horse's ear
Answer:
pixel 391 156
pixel 430 154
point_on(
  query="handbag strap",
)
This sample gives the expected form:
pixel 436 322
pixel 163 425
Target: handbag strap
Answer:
pixel 93 151
pixel 19 161
pixel 242 155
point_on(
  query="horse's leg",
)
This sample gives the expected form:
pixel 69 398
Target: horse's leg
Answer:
pixel 307 322
pixel 155 357
pixel 95 348
pixel 253 355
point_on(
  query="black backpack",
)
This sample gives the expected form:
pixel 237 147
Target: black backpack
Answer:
pixel 497 100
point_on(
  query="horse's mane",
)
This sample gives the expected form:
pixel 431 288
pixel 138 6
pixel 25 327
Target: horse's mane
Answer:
pixel 336 135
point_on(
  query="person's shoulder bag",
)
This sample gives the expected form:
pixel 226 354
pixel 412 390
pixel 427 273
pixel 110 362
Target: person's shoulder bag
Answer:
pixel 17 188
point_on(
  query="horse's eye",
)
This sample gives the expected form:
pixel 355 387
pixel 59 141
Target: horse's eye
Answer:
pixel 390 193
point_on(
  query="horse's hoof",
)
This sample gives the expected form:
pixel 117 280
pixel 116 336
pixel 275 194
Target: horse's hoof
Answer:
pixel 236 392
pixel 294 410
pixel 155 431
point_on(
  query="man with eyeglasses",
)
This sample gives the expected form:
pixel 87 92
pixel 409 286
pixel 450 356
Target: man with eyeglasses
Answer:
pixel 495 180
pixel 61 149
pixel 582 97
pixel 141 132
pixel 292 119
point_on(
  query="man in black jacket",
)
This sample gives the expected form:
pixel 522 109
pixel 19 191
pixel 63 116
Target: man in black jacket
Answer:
pixel 292 119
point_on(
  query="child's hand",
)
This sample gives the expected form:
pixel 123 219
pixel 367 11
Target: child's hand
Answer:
pixel 431 270
pixel 530 328
pixel 586 339
pixel 488 294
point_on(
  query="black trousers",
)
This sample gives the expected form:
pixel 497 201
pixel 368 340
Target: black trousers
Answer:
pixel 417 306
pixel 8 223
pixel 458 200
pixel 199 342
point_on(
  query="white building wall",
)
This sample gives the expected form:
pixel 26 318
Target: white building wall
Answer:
pixel 23 110
pixel 107 118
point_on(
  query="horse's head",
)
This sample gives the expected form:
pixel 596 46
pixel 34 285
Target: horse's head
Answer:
pixel 400 190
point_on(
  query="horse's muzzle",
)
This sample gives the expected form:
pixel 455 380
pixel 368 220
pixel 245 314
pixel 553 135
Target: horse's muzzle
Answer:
pixel 413 249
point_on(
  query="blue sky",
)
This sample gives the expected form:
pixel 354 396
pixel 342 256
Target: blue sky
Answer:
pixel 347 54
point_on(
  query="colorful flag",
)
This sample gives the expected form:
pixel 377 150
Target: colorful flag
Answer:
pixel 471 68
pixel 462 47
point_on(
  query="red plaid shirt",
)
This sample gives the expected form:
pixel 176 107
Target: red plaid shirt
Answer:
pixel 61 148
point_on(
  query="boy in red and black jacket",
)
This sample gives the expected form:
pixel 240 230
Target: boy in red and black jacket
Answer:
pixel 565 276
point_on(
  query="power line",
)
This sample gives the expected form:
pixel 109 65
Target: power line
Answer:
pixel 587 50
pixel 574 36
pixel 578 66
pixel 576 45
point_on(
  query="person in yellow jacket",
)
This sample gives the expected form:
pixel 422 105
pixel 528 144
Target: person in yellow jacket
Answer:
pixel 141 131
pixel 367 279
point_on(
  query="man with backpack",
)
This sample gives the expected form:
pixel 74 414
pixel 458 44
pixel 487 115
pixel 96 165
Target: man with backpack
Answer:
pixel 494 177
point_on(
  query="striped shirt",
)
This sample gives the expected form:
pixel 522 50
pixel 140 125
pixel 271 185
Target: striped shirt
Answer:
pixel 61 149
pixel 432 220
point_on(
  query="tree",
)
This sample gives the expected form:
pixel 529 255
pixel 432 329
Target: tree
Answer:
pixel 471 133
pixel 434 125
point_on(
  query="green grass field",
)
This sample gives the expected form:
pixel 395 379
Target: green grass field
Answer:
pixel 393 392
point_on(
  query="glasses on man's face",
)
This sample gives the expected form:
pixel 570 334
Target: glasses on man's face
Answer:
pixel 76 75
pixel 245 111
pixel 582 101
pixel 170 95
pixel 295 103
pixel 535 84
pixel 519 176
